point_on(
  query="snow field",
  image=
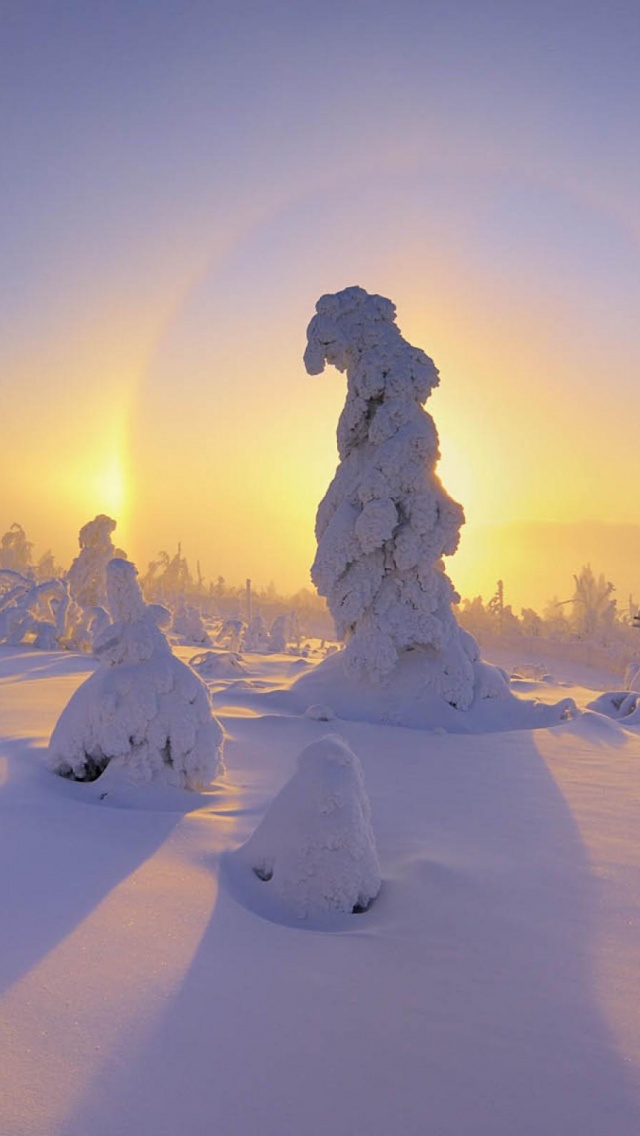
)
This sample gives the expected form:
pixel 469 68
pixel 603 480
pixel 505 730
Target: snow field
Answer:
pixel 490 989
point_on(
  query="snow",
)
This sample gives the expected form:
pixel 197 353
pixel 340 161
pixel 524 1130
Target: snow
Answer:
pixel 87 574
pixel 385 524
pixel 386 520
pixel 413 695
pixel 491 988
pixel 315 846
pixel 143 711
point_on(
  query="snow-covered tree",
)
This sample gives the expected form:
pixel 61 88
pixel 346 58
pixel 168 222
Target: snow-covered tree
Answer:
pixel 15 550
pixel 187 623
pixel 314 849
pixel 593 608
pixel 143 709
pixel 168 578
pixel 386 521
pixel 256 636
pixel 87 574
pixel 279 635
pixel 32 610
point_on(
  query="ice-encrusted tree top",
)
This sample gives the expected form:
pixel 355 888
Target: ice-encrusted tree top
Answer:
pixel 386 521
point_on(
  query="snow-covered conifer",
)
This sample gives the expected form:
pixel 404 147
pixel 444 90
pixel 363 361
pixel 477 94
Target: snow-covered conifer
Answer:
pixel 86 576
pixel 386 521
pixel 187 623
pixel 143 709
pixel 315 848
pixel 279 635
pixel 15 550
pixel 256 636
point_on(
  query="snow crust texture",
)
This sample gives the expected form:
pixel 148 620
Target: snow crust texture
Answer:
pixel 143 709
pixel 314 848
pixel 386 520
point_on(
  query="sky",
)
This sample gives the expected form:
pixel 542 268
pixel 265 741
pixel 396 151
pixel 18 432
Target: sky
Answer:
pixel 182 180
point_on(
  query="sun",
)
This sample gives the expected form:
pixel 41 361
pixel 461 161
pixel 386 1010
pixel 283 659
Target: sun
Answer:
pixel 107 485
pixel 96 482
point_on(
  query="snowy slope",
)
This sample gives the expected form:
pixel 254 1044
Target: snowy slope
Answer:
pixel 491 990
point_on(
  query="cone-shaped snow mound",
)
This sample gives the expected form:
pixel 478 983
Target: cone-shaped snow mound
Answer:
pixel 143 708
pixel 314 849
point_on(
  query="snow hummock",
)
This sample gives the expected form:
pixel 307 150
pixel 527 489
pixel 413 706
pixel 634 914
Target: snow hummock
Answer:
pixel 143 709
pixel 314 849
pixel 219 664
pixel 623 705
pixel 413 696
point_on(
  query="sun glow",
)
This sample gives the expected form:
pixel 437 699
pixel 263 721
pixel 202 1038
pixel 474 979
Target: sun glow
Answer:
pixel 108 484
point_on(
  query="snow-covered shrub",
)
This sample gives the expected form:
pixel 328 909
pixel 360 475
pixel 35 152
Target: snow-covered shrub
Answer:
pixel 231 634
pixel 218 665
pixel 256 636
pixel 32 609
pixel 386 521
pixel 143 709
pixel 279 635
pixel 314 849
pixel 187 623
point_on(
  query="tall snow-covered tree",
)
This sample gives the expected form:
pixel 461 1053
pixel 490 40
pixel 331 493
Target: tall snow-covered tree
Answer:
pixel 386 521
pixel 87 574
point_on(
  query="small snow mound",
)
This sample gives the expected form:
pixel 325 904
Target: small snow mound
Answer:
pixel 591 721
pixel 320 713
pixel 314 849
pixel 618 704
pixel 218 664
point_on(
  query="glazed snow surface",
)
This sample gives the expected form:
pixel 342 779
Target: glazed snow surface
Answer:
pixel 314 849
pixel 143 709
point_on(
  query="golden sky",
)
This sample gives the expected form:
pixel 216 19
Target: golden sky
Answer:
pixel 182 191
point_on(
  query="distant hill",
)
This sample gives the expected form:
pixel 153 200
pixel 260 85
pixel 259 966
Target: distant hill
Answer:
pixel 537 559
